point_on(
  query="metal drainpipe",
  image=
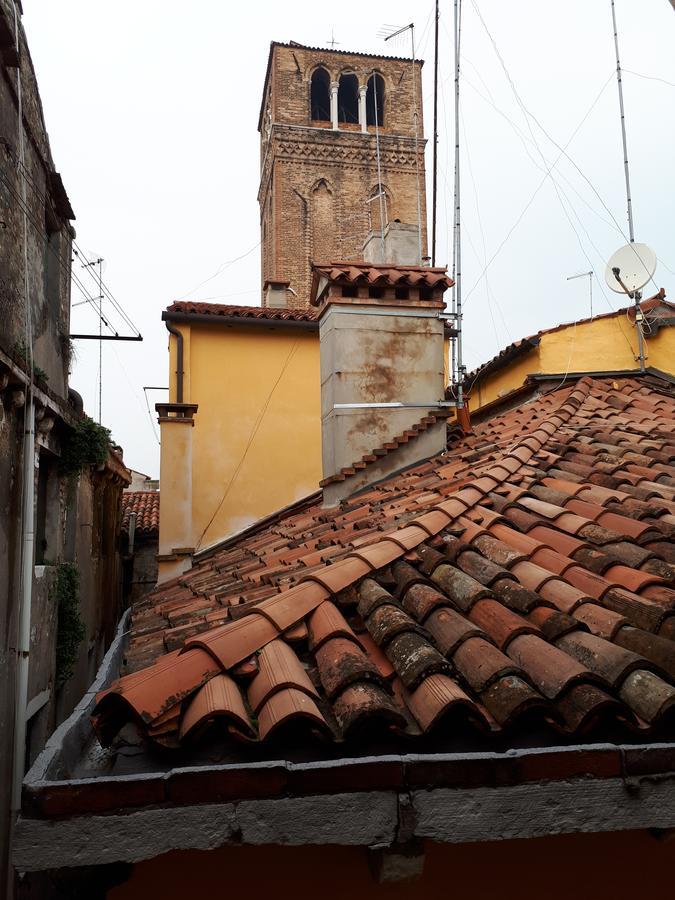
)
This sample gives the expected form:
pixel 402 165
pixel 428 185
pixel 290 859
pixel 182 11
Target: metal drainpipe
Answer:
pixel 132 532
pixel 179 360
pixel 23 641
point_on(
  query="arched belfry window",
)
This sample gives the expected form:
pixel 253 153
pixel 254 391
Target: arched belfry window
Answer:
pixel 375 100
pixel 320 95
pixel 348 99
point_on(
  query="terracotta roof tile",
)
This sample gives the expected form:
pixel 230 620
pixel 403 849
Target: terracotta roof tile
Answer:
pixel 273 314
pixel 145 504
pixel 555 604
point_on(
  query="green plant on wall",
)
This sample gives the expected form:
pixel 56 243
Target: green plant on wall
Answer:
pixel 87 444
pixel 70 631
pixel 20 350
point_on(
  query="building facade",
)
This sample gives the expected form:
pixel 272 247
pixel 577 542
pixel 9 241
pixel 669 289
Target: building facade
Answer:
pixel 75 591
pixel 342 151
pixel 607 342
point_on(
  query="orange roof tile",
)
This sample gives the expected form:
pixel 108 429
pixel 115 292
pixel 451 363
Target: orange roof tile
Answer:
pixel 379 275
pixel 520 574
pixel 145 504
pixel 274 314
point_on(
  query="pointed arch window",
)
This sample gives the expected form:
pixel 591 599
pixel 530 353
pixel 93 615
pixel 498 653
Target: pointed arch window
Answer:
pixel 348 99
pixel 375 100
pixel 320 95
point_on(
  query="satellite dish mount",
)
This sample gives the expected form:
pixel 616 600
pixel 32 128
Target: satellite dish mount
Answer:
pixel 628 271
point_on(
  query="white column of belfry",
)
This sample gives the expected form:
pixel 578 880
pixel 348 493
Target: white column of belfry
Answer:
pixel 362 108
pixel 334 104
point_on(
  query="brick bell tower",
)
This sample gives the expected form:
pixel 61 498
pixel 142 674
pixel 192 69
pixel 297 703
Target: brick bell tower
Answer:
pixel 324 188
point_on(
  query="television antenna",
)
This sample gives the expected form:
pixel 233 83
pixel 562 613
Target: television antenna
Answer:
pixel 588 275
pixel 627 272
pixel 389 33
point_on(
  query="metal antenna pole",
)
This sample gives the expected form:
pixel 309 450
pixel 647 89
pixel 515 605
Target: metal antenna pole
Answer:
pixel 590 284
pixel 100 335
pixel 458 234
pixel 631 233
pixel 590 290
pixel 380 189
pixel 417 155
pixel 395 34
pixel 435 157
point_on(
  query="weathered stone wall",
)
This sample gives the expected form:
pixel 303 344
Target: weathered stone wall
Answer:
pixel 316 181
pixel 47 227
pixel 77 520
pixel 143 568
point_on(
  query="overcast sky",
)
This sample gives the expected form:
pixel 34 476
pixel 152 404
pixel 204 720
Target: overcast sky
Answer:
pixel 152 108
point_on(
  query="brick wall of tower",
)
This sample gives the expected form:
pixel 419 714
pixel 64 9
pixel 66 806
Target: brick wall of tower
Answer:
pixel 315 181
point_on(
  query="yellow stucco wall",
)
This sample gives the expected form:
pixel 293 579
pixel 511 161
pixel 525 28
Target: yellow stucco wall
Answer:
pixel 256 442
pixel 600 345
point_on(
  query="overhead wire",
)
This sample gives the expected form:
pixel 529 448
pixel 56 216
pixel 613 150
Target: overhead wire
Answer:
pixel 467 154
pixel 41 232
pixel 221 268
pixel 523 138
pixel 649 77
pixel 104 288
pixel 530 115
pixel 527 115
pixel 534 195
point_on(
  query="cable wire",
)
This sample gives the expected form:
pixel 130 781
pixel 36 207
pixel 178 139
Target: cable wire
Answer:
pixel 221 268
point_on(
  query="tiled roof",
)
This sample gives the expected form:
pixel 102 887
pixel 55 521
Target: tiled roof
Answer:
pixel 522 583
pixel 379 275
pixel 189 307
pixel 146 506
pixel 657 306
pixel 387 447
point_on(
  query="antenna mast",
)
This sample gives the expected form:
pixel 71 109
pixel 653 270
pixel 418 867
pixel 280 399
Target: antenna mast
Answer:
pixel 629 202
pixel 435 157
pixel 458 364
pixel 395 34
pixel 588 275
pixel 99 262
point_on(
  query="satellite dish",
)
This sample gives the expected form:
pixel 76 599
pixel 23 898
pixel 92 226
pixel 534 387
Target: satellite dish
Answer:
pixel 634 265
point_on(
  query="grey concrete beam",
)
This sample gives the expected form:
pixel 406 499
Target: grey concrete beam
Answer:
pixel 370 819
pixel 362 819
pixel 544 808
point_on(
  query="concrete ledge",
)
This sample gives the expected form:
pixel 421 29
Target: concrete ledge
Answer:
pixel 371 819
pixel 537 810
pixel 357 819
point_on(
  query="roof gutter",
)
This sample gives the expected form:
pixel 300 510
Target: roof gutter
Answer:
pixel 253 321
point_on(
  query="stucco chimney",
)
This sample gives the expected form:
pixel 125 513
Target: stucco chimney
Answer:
pixel 399 245
pixel 275 291
pixel 382 339
pixel 176 541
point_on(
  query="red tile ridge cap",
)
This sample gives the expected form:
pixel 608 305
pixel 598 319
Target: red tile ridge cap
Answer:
pixel 273 313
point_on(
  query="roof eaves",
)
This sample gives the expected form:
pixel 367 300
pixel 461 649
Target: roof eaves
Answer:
pixel 513 351
pixel 243 321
